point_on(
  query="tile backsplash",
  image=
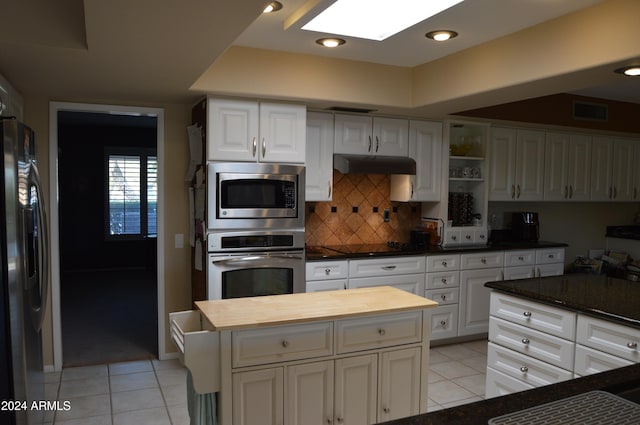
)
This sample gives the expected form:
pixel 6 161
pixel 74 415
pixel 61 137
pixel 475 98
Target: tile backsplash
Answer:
pixel 356 213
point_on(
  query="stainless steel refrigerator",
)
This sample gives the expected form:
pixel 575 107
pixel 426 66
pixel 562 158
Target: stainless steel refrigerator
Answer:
pixel 24 277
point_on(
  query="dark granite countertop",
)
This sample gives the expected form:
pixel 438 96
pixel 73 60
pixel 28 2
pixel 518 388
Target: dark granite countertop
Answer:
pixel 615 381
pixel 609 298
pixel 345 252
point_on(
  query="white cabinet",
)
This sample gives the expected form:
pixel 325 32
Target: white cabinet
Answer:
pixel 517 164
pixel 425 147
pixel 476 270
pixel 443 286
pixel 612 169
pixel 258 397
pixel 519 264
pixel 549 262
pixel 567 167
pixel 326 275
pixel 356 395
pixel 618 340
pixel 365 135
pixel 399 383
pixel 239 130
pixel 309 393
pixel 319 156
pixel 404 272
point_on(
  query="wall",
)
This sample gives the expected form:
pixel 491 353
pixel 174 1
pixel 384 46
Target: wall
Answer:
pixel 176 270
pixel 355 214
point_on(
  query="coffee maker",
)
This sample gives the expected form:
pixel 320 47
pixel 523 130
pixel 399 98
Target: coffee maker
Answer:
pixel 525 226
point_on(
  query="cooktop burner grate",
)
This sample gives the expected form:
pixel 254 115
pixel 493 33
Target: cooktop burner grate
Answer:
pixel 592 408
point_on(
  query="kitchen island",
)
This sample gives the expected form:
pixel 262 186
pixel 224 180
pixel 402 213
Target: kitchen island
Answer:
pixel 324 356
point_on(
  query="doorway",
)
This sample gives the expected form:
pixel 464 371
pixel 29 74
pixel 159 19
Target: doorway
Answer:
pixel 107 294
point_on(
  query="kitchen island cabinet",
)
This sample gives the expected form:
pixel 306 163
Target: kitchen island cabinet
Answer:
pixel 361 353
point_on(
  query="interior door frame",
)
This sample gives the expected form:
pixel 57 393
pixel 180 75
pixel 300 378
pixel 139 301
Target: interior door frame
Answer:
pixel 54 108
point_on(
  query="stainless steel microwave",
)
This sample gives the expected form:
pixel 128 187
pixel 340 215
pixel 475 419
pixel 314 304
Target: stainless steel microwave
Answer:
pixel 245 195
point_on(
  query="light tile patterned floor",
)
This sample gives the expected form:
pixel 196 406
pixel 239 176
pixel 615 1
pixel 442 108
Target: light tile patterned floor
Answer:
pixel 154 392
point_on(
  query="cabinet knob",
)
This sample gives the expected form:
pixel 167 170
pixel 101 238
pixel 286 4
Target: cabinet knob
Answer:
pixel 632 345
pixel 386 410
pixel 329 421
pixel 482 236
pixel 468 237
pixel 525 341
pixel 454 237
pixel 340 419
pixel 285 343
pixel 483 261
pixel 327 271
pixel 524 369
pixel 527 314
pixel 444 280
pixel 521 258
pixel 444 263
pixel 443 323
pixel 443 297
pixel 381 332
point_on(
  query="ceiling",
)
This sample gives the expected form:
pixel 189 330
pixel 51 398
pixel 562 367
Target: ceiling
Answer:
pixel 152 52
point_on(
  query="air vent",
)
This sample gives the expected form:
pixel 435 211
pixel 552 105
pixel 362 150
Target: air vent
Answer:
pixel 590 111
pixel 347 109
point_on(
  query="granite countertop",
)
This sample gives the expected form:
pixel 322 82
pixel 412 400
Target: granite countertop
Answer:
pixel 614 381
pixel 345 252
pixel 606 297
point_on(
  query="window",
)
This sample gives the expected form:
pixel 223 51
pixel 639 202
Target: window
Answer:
pixel 132 181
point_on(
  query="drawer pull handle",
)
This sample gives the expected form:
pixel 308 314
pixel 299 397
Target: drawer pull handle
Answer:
pixel 327 271
pixel 525 341
pixel 468 237
pixel 388 267
pixel 386 410
pixel 444 264
pixel 444 280
pixel 632 345
pixel 454 237
pixel 340 419
pixel 381 331
pixel 443 297
pixel 443 323
pixel 527 314
pixel 481 236
pixel 524 369
pixel 285 343
pixel 329 421
pixel 521 258
pixel 483 261
pixel 551 256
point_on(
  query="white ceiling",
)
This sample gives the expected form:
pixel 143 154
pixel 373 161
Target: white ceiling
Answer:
pixel 146 51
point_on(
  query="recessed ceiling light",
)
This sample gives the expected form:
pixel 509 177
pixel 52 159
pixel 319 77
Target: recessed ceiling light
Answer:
pixel 274 6
pixel 375 19
pixel 330 42
pixel 441 35
pixel 632 71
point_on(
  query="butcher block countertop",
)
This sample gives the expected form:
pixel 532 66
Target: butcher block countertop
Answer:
pixel 272 310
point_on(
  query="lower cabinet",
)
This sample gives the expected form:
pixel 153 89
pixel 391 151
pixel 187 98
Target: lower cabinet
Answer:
pixel 364 389
pixel 474 300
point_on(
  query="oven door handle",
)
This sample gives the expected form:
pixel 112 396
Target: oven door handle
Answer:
pixel 257 258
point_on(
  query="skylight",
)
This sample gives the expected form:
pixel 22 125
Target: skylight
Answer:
pixel 375 19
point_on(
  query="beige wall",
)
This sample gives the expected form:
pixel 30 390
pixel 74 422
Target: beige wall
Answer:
pixel 176 270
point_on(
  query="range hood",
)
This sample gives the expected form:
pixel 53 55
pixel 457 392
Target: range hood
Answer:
pixel 362 164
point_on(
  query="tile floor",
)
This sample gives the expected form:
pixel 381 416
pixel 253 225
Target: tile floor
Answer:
pixel 154 392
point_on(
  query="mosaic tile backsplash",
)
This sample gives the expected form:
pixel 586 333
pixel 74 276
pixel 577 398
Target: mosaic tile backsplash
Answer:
pixel 356 213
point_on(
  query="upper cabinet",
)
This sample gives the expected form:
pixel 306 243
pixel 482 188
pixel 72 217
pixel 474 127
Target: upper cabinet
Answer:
pixel 319 156
pixel 365 135
pixel 241 130
pixel 612 169
pixel 425 147
pixel 567 170
pixel 517 164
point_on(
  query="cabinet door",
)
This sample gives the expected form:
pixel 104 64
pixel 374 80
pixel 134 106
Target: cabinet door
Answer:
pixel 579 169
pixel 601 168
pixel 556 154
pixel 502 155
pixel 353 134
pixel 356 390
pixel 636 174
pixel 282 133
pixel 309 393
pixel 623 168
pixel 530 165
pixel 258 397
pixel 399 384
pixel 390 137
pixel 232 130
pixel 425 147
pixel 474 300
pixel 319 157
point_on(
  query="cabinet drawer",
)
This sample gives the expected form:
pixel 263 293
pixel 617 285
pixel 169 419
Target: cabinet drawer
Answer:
pixel 590 361
pixel 612 338
pixel 444 296
pixel 413 283
pixel 281 343
pixel 380 331
pixel 548 348
pixel 545 318
pixel 549 255
pixel 386 266
pixel 482 260
pixel 525 368
pixel 519 258
pixel 441 263
pixel 326 285
pixel 199 348
pixel 499 384
pixel 326 270
pixel 521 272
pixel 443 280
pixel 443 321
pixel 544 270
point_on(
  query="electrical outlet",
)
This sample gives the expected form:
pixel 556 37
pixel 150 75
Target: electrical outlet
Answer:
pixel 385 215
pixel 179 240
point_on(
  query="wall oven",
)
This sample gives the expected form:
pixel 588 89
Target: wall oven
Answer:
pixel 256 263
pixel 255 195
